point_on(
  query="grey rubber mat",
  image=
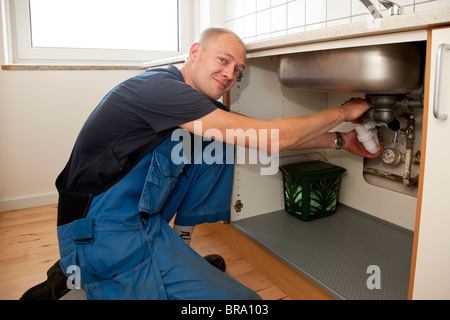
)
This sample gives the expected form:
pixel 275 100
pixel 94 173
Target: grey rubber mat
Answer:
pixel 335 252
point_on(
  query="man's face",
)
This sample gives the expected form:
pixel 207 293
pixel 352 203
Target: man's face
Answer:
pixel 217 66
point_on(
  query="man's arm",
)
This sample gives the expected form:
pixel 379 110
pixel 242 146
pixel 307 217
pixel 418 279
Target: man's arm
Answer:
pixel 352 144
pixel 294 133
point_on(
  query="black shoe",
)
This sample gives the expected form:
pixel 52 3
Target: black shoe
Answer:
pixel 217 261
pixel 51 289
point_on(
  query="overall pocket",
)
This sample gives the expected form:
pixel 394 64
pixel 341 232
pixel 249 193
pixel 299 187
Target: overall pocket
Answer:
pixel 118 263
pixel 161 179
pixel 129 279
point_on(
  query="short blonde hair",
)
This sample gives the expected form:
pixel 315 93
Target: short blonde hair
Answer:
pixel 211 33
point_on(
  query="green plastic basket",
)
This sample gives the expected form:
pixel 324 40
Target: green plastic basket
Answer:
pixel 311 189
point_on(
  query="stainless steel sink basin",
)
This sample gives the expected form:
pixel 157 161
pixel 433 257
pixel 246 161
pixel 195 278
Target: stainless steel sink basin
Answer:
pixel 380 69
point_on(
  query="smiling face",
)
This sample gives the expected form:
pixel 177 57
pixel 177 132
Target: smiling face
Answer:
pixel 216 64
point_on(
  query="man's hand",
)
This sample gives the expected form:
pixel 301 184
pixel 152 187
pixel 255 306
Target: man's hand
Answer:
pixel 354 108
pixel 353 145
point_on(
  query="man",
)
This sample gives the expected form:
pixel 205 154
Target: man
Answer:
pixel 121 187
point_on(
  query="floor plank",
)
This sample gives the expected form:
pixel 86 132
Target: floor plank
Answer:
pixel 28 247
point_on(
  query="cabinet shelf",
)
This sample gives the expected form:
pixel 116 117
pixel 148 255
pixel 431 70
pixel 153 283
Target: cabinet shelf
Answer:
pixel 335 252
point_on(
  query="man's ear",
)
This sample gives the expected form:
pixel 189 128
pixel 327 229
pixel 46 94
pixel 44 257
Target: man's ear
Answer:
pixel 195 48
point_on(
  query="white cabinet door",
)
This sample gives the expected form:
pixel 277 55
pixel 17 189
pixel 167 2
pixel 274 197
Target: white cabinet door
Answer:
pixel 432 273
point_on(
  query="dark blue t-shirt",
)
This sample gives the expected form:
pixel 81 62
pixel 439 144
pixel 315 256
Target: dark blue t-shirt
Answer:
pixel 130 121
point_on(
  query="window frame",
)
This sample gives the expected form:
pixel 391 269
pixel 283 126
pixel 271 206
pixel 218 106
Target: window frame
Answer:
pixel 20 50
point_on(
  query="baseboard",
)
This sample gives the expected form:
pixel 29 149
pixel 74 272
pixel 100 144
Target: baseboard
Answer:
pixel 28 202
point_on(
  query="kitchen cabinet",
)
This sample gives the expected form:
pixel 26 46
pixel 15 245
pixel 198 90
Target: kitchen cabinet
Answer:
pixel 430 267
pixel 414 226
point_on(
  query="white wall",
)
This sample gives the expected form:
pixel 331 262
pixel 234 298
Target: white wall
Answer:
pixel 41 113
pixel 212 13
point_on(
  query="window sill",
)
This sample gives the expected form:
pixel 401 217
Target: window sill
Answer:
pixel 21 67
pixel 164 62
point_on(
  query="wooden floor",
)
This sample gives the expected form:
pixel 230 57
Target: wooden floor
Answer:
pixel 28 247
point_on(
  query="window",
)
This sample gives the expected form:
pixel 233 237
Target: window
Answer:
pixel 97 31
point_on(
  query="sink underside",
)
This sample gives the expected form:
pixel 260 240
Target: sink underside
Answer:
pixel 380 69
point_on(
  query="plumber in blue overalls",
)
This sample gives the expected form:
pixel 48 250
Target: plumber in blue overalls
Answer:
pixel 121 186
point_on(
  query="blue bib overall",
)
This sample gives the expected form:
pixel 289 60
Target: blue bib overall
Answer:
pixel 124 246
